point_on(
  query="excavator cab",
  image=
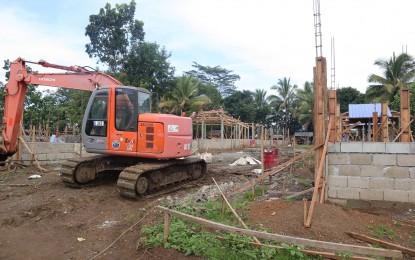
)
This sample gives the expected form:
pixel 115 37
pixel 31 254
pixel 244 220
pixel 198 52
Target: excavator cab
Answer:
pixel 114 110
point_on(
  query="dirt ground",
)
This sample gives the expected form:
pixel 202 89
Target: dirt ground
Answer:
pixel 43 219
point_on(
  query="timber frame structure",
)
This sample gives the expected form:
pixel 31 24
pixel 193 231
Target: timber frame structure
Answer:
pixel 224 127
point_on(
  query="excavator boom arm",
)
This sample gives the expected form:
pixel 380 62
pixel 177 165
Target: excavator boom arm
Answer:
pixel 75 78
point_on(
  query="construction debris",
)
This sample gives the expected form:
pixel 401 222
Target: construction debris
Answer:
pixel 245 160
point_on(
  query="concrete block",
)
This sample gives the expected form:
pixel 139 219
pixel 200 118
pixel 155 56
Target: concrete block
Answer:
pixel 51 156
pixel 412 172
pixel 412 147
pixel 349 170
pixel 397 148
pixel 332 193
pixel 405 159
pixel 337 181
pixel 361 159
pixel 377 147
pixel 404 184
pixel 396 195
pixel 371 171
pixel 333 148
pixel 333 170
pixel 42 157
pixel 358 182
pixel 384 159
pixel 369 194
pixel 381 183
pixel 348 193
pixel 338 158
pixel 396 172
pixel 352 147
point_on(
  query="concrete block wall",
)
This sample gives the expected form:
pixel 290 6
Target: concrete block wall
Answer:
pixel 51 153
pixel 371 173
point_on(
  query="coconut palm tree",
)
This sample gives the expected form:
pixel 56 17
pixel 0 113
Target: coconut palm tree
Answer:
pixel 284 100
pixel 305 104
pixel 398 72
pixel 184 97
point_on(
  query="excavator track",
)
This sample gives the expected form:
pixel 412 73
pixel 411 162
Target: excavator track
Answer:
pixel 146 180
pixel 139 178
pixel 80 171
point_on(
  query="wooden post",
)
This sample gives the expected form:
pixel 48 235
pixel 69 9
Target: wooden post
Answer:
pixel 305 210
pixel 332 112
pixel 338 124
pixel 384 121
pixel 320 85
pixel 405 115
pixel 375 126
pixel 166 227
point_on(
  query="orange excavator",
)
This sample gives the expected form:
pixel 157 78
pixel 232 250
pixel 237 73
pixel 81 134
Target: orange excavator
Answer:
pixel 150 150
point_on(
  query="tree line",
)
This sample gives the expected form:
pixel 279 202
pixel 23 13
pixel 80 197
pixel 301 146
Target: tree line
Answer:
pixel 117 41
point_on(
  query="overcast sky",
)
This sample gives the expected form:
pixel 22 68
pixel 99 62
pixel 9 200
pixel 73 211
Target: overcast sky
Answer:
pixel 261 40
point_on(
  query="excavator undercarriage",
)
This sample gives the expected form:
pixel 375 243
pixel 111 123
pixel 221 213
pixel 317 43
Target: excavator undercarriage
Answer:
pixel 139 177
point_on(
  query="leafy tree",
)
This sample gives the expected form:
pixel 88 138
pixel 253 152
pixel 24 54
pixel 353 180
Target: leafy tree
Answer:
pixel 396 103
pixel 213 94
pixel 349 95
pixel 147 66
pixel 240 105
pixel 284 101
pixel 71 105
pixel 262 108
pixel 398 72
pixel 184 97
pixel 220 77
pixel 305 105
pixel 113 32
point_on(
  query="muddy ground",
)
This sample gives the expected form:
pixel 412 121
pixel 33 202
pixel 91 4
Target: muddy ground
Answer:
pixel 43 219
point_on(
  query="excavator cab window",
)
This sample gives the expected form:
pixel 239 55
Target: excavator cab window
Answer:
pixel 126 110
pixel 143 102
pixel 96 124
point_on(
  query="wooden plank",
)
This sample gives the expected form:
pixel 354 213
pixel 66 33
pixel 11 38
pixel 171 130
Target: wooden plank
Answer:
pixel 375 126
pixel 350 127
pixel 318 177
pixel 384 125
pixel 362 250
pixel 403 249
pixel 325 255
pixel 299 193
pixel 332 114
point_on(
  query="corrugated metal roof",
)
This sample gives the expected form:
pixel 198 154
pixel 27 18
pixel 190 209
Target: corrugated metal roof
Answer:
pixel 365 110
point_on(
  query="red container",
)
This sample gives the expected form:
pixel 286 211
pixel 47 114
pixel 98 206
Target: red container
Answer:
pixel 270 158
pixel 252 143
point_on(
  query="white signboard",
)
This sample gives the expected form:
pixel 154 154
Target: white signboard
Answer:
pixel 173 128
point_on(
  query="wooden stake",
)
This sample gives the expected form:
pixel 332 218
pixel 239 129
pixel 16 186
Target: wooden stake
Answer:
pixel 322 191
pixel 305 211
pixel 233 211
pixel 33 156
pixel 166 227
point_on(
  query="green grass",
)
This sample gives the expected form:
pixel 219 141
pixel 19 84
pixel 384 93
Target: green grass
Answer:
pixel 194 239
pixel 6 176
pixel 381 231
